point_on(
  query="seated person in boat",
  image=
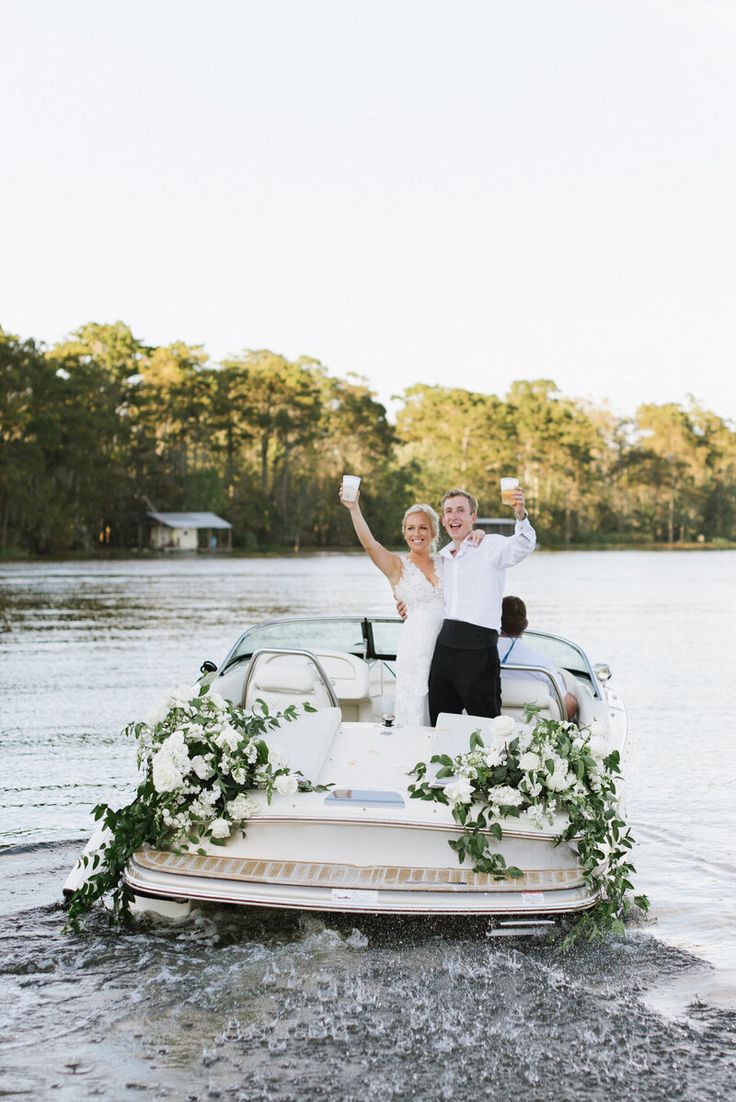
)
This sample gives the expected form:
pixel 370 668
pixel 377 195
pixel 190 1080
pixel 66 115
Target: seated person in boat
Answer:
pixel 513 648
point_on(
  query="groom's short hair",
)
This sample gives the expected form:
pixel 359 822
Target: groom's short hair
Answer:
pixel 460 493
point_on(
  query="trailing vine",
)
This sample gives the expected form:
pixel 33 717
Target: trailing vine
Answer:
pixel 535 773
pixel 200 755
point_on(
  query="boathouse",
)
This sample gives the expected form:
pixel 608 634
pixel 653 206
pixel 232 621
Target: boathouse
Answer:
pixel 189 532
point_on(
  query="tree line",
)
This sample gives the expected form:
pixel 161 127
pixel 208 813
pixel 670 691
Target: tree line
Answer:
pixel 100 428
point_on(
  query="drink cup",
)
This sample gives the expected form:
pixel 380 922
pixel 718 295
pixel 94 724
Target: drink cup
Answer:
pixel 350 485
pixel 508 485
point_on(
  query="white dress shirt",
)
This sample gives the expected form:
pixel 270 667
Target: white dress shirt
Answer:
pixel 473 578
pixel 518 650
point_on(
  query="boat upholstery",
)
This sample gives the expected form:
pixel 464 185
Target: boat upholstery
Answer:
pixel 281 679
pixel 348 674
pixel 517 693
pixel 358 685
pixel 306 740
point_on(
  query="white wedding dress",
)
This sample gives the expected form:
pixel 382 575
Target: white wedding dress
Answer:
pixel 425 605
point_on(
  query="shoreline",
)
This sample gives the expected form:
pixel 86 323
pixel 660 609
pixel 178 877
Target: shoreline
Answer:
pixel 133 554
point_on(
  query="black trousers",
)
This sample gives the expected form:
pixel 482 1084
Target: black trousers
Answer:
pixel 464 678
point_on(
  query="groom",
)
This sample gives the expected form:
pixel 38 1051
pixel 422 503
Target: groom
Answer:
pixel 465 670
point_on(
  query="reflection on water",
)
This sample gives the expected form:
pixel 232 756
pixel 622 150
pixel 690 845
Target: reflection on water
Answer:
pixel 257 1006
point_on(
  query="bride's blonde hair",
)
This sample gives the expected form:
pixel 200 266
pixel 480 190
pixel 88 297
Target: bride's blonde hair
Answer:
pixel 434 520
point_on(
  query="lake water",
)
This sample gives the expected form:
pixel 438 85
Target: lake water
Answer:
pixel 239 1006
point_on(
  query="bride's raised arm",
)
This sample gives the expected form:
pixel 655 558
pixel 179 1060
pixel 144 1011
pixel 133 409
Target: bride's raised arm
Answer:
pixel 386 561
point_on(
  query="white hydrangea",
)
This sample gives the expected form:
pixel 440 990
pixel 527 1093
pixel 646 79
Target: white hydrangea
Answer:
pixel 493 756
pixel 242 807
pixel 202 768
pixel 504 794
pixel 175 747
pixel 251 753
pixel 535 815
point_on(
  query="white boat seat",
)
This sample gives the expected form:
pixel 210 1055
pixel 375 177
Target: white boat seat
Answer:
pixel 349 675
pixel 306 740
pixel 282 678
pixel 518 692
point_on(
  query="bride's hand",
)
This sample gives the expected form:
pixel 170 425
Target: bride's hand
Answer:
pixel 349 504
pixel 476 536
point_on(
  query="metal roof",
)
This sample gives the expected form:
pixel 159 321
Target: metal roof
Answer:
pixel 190 520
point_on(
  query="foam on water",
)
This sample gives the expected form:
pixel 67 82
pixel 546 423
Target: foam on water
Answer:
pixel 280 1006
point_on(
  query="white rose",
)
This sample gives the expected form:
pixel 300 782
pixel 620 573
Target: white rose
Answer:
pixel 529 762
pixel 598 748
pixel 286 784
pixel 166 777
pixel 218 701
pixel 229 738
pixel 459 791
pixel 157 715
pixel 502 726
pixel 276 757
pixel 560 778
pixel 506 795
pixel 493 757
pixel 181 696
pixel 242 807
pixel 220 828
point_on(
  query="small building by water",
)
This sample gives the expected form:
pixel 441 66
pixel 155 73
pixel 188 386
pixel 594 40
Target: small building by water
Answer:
pixel 189 532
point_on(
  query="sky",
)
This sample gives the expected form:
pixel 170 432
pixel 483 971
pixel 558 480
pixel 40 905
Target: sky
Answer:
pixel 451 192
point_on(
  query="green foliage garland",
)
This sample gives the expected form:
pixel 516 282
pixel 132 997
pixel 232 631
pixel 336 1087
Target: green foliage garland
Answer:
pixel 551 769
pixel 200 755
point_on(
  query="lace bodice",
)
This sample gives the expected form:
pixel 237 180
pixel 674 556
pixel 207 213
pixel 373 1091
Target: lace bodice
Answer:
pixel 425 612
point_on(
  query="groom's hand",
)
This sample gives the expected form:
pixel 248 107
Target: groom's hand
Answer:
pixel 518 503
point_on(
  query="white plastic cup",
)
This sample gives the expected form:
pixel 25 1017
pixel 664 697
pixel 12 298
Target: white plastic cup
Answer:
pixel 350 486
pixel 508 485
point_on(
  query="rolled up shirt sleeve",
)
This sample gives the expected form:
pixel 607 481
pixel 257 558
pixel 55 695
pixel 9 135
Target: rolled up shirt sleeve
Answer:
pixel 510 550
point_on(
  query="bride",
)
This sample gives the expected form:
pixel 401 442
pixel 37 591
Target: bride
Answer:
pixel 415 580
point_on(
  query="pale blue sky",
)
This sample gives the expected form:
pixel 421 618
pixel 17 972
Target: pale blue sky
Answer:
pixel 441 191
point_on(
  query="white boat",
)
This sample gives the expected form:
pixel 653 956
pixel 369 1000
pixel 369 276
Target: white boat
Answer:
pixel 365 845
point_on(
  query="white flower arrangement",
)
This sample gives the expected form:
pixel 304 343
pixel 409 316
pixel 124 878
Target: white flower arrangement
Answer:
pixel 200 757
pixel 534 774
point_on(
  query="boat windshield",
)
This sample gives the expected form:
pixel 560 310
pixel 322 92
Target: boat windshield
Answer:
pixel 356 635
pixel 375 637
pixel 561 652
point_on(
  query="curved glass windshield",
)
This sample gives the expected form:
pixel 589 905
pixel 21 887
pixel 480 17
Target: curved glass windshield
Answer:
pixel 339 634
pixel 376 638
pixel 565 655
